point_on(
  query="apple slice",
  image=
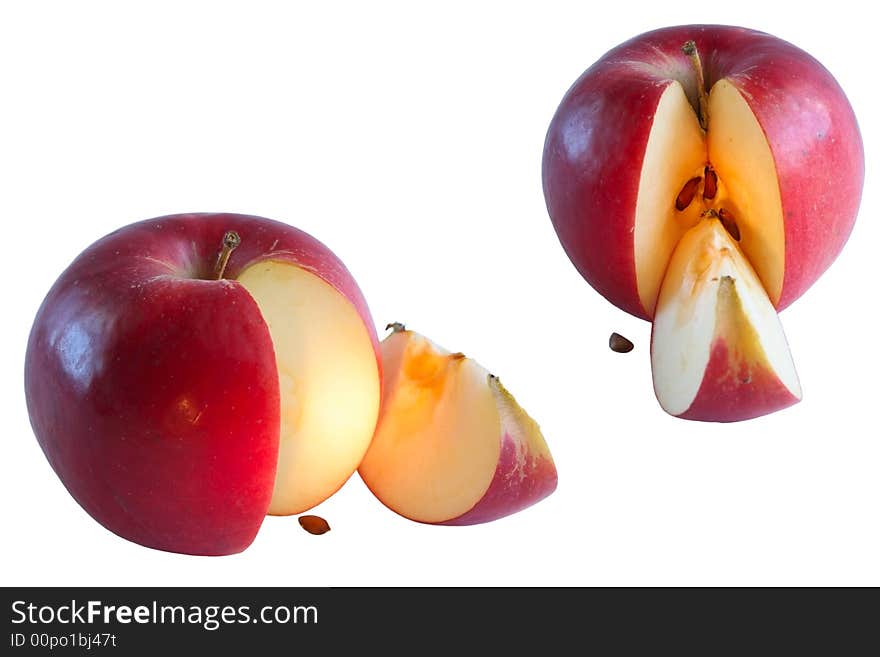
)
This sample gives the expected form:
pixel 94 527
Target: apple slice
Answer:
pixel 718 352
pixel 452 446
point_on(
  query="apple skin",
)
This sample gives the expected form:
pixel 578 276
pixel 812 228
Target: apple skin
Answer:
pixel 523 477
pixel 724 397
pixel 596 142
pixel 153 391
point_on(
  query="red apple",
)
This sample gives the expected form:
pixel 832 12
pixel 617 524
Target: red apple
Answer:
pixel 182 388
pixel 713 124
pixel 452 445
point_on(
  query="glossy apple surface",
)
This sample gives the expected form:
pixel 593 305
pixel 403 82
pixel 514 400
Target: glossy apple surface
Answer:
pixel 178 408
pixel 620 147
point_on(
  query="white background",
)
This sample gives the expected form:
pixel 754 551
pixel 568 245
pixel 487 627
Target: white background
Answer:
pixel 408 138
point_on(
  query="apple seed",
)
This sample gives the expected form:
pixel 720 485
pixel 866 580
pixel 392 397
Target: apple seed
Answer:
pixel 687 193
pixel 620 344
pixel 710 187
pixel 314 524
pixel 729 224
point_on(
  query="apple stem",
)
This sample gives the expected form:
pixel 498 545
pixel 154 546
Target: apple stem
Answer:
pixel 230 241
pixel 690 49
pixel 395 327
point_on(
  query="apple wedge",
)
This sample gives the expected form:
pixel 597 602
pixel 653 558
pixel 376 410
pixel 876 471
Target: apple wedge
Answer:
pixel 718 352
pixel 452 446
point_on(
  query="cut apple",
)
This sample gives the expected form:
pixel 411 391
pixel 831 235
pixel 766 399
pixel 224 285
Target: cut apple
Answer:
pixel 763 128
pixel 452 446
pixel 718 351
pixel 719 144
pixel 183 392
